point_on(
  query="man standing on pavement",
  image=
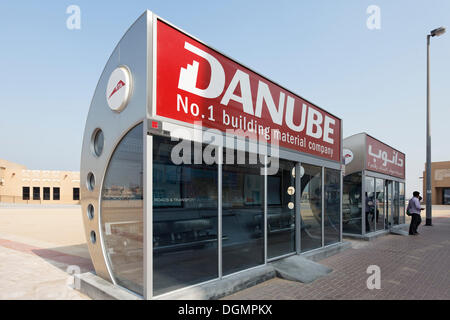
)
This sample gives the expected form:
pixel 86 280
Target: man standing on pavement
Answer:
pixel 414 208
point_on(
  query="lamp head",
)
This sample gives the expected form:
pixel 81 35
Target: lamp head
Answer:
pixel 437 32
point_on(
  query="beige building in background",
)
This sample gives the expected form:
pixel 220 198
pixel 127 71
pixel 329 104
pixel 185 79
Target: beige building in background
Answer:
pixel 21 185
pixel 440 182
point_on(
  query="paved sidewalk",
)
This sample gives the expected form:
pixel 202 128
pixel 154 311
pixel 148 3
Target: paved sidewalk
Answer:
pixel 412 267
pixel 37 245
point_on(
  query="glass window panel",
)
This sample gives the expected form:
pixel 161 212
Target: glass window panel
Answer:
pixel 380 196
pixel 46 193
pixel 332 202
pixel 389 203
pixel 121 211
pixel 36 193
pixel 396 208
pixel 242 215
pixel 351 204
pixel 311 208
pixel 185 219
pixel 281 210
pixel 55 193
pixel 25 193
pixel 76 194
pixel 370 204
pixel 402 203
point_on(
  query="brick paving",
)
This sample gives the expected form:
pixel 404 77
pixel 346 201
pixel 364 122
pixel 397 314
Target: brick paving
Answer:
pixel 412 267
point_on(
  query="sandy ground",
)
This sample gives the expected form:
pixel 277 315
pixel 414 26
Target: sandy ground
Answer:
pixel 37 246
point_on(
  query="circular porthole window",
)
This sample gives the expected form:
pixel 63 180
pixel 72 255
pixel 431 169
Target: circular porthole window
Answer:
pixel 291 190
pixel 90 183
pixel 97 142
pixel 302 171
pixel 93 237
pixel 90 211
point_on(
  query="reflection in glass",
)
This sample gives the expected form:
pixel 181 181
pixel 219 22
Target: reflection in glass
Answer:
pixel 185 220
pixel 396 207
pixel 370 204
pixel 281 210
pixel 311 208
pixel 243 215
pixel 446 196
pixel 121 212
pixel 332 214
pixel 402 203
pixel 379 188
pixel 351 204
pixel 389 203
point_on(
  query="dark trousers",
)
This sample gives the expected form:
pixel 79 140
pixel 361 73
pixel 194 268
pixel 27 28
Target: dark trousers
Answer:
pixel 415 222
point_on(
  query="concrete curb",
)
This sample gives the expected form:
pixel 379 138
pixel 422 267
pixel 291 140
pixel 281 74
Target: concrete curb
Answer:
pixel 300 268
pixel 369 237
pixel 221 288
pixel 322 253
pixel 99 289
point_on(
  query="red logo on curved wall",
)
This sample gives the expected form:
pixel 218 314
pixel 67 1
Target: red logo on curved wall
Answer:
pixel 348 156
pixel 119 85
pixel 196 83
pixel 118 88
pixel 384 159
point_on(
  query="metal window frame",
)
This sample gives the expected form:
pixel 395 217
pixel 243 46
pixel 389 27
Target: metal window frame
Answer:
pixel 219 208
pixel 363 203
pixel 298 186
pixel 323 207
pixel 377 202
pixel 148 216
pixel 265 209
pixel 148 213
pixel 342 171
pixel 340 206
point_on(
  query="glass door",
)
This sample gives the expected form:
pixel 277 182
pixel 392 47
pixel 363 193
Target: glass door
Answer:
pixel 311 207
pixel 396 204
pixel 380 196
pixel 389 203
pixel 370 205
pixel 281 209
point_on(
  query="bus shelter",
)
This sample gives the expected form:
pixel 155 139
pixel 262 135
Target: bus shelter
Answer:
pixel 374 186
pixel 195 168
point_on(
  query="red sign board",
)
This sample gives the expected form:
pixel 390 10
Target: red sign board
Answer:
pixel 195 83
pixel 384 159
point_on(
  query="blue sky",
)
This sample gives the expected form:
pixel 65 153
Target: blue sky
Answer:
pixel 374 80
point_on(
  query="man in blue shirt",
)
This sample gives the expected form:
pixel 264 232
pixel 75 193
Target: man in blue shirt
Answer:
pixel 414 208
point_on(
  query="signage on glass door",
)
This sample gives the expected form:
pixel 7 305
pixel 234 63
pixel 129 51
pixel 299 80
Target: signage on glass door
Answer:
pixel 384 159
pixel 195 83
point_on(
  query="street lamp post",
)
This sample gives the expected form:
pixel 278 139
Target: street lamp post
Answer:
pixel 435 33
